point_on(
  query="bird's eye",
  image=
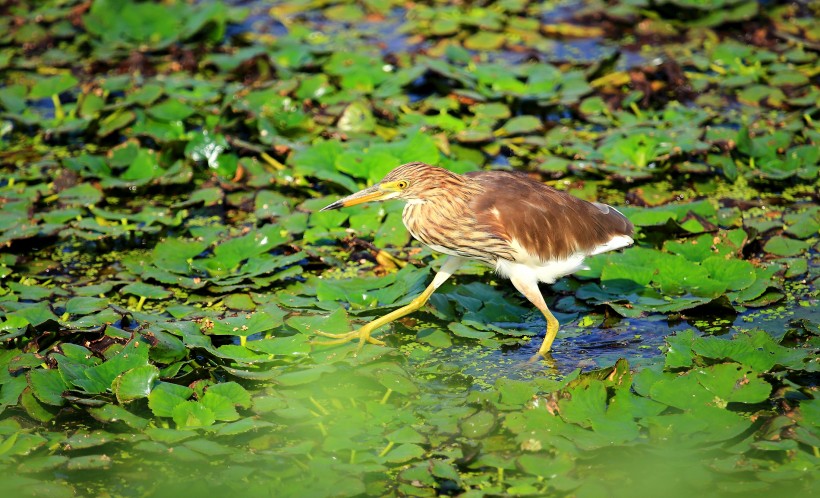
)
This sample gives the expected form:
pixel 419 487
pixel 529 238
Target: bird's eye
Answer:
pixel 401 184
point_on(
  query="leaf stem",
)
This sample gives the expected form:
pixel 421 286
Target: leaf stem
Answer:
pixel 387 449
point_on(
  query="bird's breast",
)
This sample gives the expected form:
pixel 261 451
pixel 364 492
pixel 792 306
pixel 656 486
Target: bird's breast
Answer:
pixel 455 232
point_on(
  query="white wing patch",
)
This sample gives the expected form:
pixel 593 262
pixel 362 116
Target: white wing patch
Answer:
pixel 613 244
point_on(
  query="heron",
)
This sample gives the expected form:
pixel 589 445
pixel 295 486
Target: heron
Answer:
pixel 527 231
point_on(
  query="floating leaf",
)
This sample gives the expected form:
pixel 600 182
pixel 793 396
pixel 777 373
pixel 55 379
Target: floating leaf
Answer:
pixel 48 386
pixel 191 414
pixel 221 407
pixel 110 413
pixel 784 246
pixel 165 397
pixel 135 383
pixel 233 392
pixel 145 290
pixel 99 378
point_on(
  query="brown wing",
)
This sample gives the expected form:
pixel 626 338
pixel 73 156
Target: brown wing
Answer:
pixel 546 222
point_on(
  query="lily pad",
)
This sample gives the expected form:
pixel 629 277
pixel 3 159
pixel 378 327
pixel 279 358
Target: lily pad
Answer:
pixel 135 383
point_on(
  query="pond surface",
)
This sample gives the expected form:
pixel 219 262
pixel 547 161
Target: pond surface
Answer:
pixel 165 268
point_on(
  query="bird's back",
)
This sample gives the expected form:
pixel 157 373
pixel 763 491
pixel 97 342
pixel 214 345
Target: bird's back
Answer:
pixel 545 222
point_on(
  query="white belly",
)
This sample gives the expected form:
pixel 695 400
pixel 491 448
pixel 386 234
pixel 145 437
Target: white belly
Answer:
pixel 528 266
pixel 544 271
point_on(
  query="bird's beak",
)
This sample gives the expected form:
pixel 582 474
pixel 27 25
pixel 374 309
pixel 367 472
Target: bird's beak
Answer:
pixel 374 193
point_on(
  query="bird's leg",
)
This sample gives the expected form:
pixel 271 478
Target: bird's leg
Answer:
pixel 451 264
pixel 529 287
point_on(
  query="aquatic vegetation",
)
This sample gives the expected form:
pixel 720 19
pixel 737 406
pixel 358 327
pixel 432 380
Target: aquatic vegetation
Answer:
pixel 164 266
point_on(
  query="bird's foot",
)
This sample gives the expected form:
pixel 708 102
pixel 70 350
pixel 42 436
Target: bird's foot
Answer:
pixel 546 357
pixel 363 334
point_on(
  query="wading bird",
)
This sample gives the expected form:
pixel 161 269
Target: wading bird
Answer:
pixel 529 232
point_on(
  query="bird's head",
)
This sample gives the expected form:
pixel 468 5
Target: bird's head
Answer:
pixel 411 181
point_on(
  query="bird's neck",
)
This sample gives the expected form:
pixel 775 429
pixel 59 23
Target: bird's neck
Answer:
pixel 440 208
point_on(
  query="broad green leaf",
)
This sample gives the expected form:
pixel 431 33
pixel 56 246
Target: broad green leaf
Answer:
pixel 784 246
pixel 221 407
pixel 48 386
pixel 99 378
pixel 85 305
pixel 89 462
pixel 233 392
pixel 110 413
pixel 478 425
pixel 52 85
pixel 296 345
pixel 244 324
pixel 404 453
pixel 192 414
pixel 165 397
pixel 142 289
pixel 335 323
pixel 520 125
pixel 135 383
pixel 732 382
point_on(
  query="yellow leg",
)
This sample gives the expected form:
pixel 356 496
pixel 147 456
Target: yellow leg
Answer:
pixel 363 333
pixel 552 331
pixel 528 285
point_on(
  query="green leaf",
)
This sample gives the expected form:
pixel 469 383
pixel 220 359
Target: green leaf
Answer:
pixel 755 349
pixel 515 392
pixel 89 462
pixel 683 392
pixel 371 166
pixel 135 383
pixel 36 314
pixel 52 85
pixel 357 118
pixel 404 453
pixel 478 425
pixel 13 98
pixel 784 246
pixel 172 254
pixel 296 345
pixel 520 125
pixel 406 435
pixel 734 383
pixel 462 330
pixel 145 290
pixel 144 167
pixel 586 402
pixel 171 110
pixel 85 305
pixel 221 406
pixel 11 390
pixel 48 386
pixel 335 323
pixel 396 380
pixel 34 408
pixel 680 353
pixel 165 397
pixel 110 413
pixel 99 378
pixel 83 194
pixel 233 392
pixel 735 274
pixel 191 414
pixel 245 324
pixel 804 224
pixel 115 121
